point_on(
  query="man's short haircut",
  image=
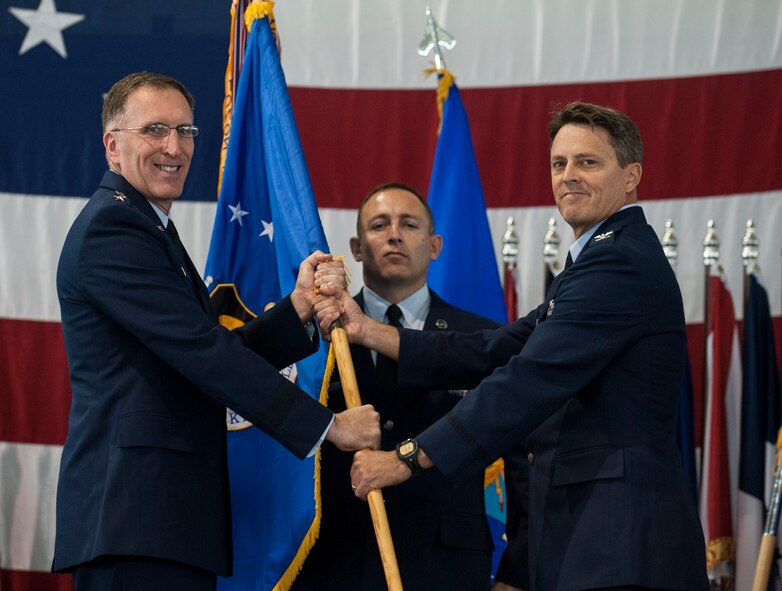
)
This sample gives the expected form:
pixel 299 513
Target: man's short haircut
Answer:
pixel 622 132
pixel 403 187
pixel 117 97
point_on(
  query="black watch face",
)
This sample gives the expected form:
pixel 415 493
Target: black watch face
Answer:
pixel 407 448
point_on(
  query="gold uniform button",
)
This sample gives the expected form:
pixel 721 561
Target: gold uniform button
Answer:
pixel 531 458
pixel 388 425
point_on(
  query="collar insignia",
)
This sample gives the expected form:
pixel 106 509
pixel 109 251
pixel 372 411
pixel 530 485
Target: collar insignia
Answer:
pixel 603 236
pixel 440 323
pixel 550 308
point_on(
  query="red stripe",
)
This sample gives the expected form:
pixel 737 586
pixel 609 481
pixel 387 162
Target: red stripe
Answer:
pixel 34 374
pixel 16 580
pixel 704 136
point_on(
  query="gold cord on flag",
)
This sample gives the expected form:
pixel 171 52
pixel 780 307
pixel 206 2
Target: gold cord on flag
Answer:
pixel 446 80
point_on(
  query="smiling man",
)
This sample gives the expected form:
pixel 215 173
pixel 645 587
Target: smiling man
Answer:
pixel 142 500
pixel 589 381
pixel 153 157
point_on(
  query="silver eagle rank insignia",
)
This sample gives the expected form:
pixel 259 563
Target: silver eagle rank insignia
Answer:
pixel 604 235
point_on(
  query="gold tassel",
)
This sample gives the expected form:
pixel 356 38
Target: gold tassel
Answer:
pixel 446 80
pixel 258 9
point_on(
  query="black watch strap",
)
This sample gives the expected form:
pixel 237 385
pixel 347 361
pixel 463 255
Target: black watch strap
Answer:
pixel 407 452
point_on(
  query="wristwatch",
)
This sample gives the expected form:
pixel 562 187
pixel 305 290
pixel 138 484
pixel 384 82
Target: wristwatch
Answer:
pixel 407 452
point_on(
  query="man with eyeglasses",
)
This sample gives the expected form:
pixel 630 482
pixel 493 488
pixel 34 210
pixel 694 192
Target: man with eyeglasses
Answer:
pixel 143 500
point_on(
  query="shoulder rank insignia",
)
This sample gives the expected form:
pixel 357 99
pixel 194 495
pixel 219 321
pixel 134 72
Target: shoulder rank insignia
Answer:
pixel 120 196
pixel 603 236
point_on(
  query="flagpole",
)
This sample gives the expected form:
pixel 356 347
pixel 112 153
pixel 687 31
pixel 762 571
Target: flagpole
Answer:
pixel 769 540
pixel 711 257
pixel 377 508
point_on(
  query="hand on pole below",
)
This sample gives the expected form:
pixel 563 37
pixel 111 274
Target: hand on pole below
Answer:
pixel 376 469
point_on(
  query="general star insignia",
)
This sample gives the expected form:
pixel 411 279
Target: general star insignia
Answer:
pixel 119 196
pixel 603 236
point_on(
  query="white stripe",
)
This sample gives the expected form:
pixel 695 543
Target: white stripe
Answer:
pixel 29 480
pixel 30 257
pixel 373 43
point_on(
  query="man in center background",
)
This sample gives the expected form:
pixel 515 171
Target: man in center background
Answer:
pixel 441 536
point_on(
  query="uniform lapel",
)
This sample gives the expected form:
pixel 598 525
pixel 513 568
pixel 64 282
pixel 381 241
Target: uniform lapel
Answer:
pixel 176 253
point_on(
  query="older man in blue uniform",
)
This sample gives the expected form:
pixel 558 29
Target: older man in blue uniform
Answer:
pixel 143 501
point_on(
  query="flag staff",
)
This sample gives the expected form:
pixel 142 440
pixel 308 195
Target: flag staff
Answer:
pixel 711 259
pixel 377 508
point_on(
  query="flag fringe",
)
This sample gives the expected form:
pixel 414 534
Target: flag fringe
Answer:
pixel 228 101
pixel 290 574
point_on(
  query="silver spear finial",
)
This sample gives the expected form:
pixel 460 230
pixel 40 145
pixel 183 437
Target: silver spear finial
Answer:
pixel 670 244
pixel 510 244
pixel 434 38
pixel 711 245
pixel 750 248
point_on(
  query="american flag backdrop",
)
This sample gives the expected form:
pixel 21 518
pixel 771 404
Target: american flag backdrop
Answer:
pixel 701 78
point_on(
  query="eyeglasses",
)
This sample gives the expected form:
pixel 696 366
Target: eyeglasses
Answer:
pixel 163 130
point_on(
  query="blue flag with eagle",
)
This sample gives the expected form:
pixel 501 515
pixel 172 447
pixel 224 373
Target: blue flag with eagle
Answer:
pixel 266 223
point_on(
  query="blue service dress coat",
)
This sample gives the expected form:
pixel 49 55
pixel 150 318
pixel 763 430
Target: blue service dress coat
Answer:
pixel 591 380
pixel 441 536
pixel 144 466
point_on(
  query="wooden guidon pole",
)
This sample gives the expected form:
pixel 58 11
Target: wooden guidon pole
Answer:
pixel 769 539
pixel 347 375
